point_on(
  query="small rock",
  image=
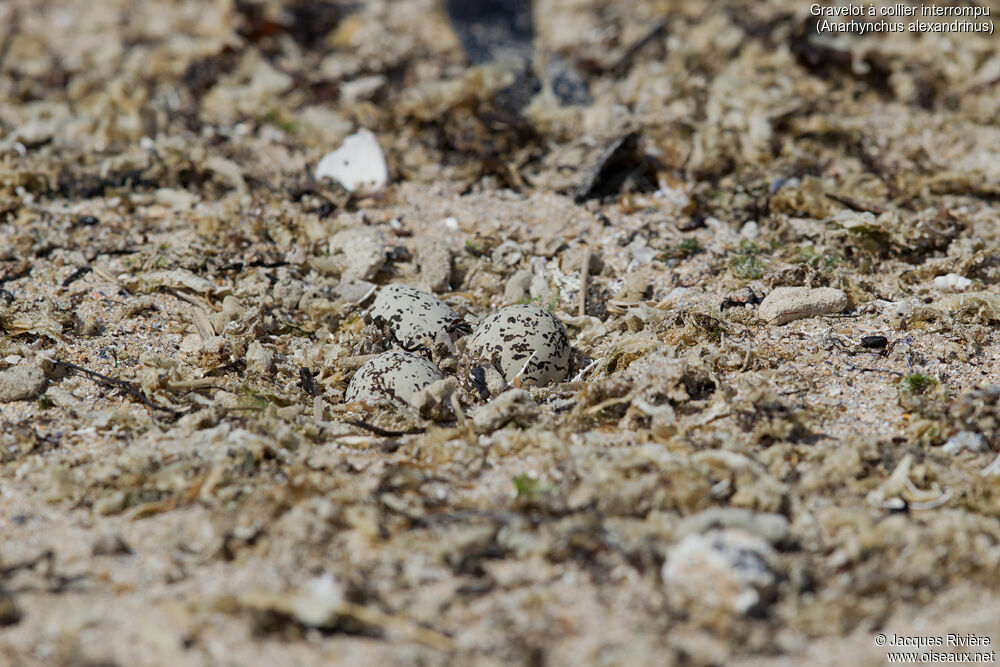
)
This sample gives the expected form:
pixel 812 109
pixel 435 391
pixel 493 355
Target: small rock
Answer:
pixel 232 308
pixel 362 252
pixel 952 282
pixel 725 570
pixel 354 291
pixel 750 231
pixel 508 406
pixel 111 544
pixel 974 442
pixel 434 259
pixel 517 286
pixel 435 400
pixel 259 358
pixel 786 304
pixel 771 526
pixel 874 342
pixel 21 383
pixel 508 253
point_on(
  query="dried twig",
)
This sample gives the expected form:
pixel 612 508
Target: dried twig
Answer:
pixel 128 387
pixel 584 273
pixel 855 204
pixel 381 431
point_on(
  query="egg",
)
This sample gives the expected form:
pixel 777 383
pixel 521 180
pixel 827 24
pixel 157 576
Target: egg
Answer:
pixel 395 376
pixel 406 316
pixel 524 341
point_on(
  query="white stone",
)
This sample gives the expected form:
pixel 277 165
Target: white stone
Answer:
pixel 513 404
pixel 259 358
pixel 20 383
pixel 974 442
pixel 360 252
pixel 750 231
pixel 785 304
pixel 952 282
pixel 358 164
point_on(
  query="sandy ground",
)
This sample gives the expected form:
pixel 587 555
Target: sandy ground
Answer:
pixel 187 486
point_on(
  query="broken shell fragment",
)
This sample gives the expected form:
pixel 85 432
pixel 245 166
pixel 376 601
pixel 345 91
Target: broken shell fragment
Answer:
pixel 358 164
pixel 396 376
pixel 952 282
pixel 525 342
pixel 786 304
pixel 407 315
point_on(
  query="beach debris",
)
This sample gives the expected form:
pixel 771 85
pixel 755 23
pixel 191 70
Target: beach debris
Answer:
pixel 622 166
pixel 20 383
pixel 952 282
pixel 358 164
pixel 874 342
pixel 511 405
pixel 786 304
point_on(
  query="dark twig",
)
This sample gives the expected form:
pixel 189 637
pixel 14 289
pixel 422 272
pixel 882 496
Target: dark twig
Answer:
pixel 622 65
pixel 381 431
pixel 12 29
pixel 58 582
pixel 124 385
pixel 76 275
pixel 856 204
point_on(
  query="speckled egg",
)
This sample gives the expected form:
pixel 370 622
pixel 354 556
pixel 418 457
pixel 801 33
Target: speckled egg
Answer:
pixel 513 334
pixel 410 315
pixel 395 375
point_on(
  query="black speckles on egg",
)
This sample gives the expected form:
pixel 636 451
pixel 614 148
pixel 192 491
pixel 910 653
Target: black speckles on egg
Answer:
pixel 410 315
pixel 513 334
pixel 395 375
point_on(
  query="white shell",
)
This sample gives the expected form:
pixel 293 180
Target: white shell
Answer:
pixel 358 164
pixel 410 314
pixel 528 342
pixel 952 282
pixel 395 376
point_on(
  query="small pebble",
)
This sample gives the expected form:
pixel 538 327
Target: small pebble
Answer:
pixel 786 304
pixel 259 358
pixel 518 286
pixel 511 405
pixel 874 342
pixel 952 282
pixel 750 231
pixel 20 383
pixel 361 252
pixel 974 442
